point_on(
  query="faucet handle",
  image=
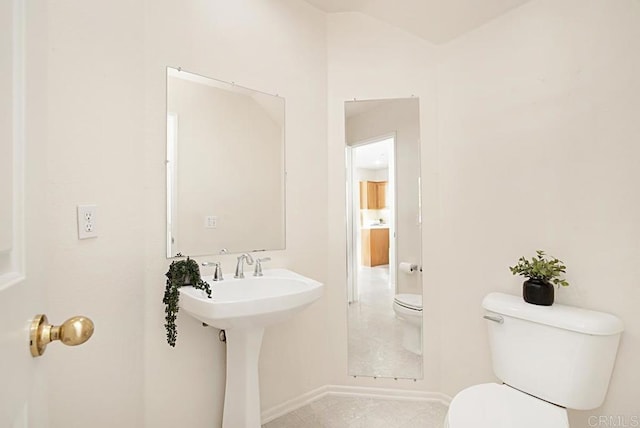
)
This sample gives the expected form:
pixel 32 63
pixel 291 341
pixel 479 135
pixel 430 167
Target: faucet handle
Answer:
pixel 258 271
pixel 240 265
pixel 217 273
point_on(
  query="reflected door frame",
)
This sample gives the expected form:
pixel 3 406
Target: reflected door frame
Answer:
pixel 352 204
pixel 172 183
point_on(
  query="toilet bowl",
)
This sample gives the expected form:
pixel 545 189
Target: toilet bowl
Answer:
pixel 408 308
pixel 491 405
pixel 550 358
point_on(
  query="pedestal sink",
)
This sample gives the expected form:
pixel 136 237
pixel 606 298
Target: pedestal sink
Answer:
pixel 243 308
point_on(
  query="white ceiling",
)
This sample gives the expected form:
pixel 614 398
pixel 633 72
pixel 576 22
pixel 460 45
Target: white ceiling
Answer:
pixel 373 155
pixel 437 21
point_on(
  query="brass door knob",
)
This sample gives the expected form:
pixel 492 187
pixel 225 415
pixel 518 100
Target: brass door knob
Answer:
pixel 74 331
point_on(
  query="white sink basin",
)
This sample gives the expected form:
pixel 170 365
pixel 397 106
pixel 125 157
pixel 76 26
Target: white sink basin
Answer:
pixel 253 301
pixel 243 308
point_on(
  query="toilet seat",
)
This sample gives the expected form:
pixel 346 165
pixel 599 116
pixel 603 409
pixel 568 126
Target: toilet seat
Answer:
pixel 408 310
pixel 409 301
pixel 491 405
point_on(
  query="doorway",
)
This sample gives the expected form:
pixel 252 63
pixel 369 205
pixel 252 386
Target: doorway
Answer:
pixel 371 180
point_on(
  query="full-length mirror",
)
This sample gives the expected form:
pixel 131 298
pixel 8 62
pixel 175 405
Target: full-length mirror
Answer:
pixel 225 167
pixel 384 238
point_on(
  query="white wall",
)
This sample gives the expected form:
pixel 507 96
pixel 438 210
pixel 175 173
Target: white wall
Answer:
pixel 97 134
pixel 85 105
pixel 276 47
pixel 368 174
pixel 372 60
pixel 537 132
pixel 536 118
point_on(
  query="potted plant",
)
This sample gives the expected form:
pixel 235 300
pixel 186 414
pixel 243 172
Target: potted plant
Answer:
pixel 543 272
pixel 180 273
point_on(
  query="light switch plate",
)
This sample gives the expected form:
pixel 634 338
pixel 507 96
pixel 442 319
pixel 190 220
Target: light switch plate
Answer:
pixel 210 222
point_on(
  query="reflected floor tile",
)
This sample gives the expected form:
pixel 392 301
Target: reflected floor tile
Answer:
pixel 375 334
pixel 356 412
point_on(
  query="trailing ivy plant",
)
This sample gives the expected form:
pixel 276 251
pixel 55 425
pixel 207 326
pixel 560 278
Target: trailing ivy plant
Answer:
pixel 541 268
pixel 181 273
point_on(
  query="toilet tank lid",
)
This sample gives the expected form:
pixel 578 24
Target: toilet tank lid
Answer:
pixel 561 316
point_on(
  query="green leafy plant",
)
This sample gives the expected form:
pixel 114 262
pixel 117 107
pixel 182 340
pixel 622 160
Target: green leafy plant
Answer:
pixel 180 273
pixel 541 267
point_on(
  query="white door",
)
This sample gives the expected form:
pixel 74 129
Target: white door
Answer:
pixel 21 385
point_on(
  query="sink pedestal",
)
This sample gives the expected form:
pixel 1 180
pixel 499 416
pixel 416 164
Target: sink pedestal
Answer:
pixel 243 308
pixel 242 390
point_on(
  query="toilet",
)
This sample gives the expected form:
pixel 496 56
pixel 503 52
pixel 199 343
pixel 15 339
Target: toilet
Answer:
pixel 549 358
pixel 408 308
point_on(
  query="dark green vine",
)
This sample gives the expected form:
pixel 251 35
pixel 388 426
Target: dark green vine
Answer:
pixel 181 272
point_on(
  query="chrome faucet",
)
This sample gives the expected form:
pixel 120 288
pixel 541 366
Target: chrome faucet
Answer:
pixel 240 266
pixel 217 274
pixel 258 271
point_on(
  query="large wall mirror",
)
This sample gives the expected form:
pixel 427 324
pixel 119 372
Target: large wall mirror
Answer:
pixel 384 238
pixel 225 167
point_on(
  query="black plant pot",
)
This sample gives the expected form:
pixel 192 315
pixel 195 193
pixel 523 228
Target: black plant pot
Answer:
pixel 538 292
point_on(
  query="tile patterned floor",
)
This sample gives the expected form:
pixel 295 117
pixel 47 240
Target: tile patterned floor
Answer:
pixel 335 411
pixel 375 334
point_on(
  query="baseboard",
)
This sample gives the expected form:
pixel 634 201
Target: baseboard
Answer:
pixel 351 391
pixel 295 403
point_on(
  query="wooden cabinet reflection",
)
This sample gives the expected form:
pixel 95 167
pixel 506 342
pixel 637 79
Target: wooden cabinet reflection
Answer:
pixel 375 246
pixel 373 195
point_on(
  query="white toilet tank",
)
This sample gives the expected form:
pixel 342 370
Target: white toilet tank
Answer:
pixel 561 354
